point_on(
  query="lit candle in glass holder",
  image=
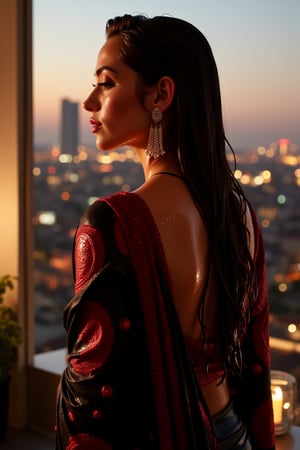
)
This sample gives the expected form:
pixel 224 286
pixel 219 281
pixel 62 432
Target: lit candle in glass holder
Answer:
pixel 277 404
pixel 284 390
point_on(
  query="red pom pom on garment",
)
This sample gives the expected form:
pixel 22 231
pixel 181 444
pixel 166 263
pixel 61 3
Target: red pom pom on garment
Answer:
pixel 107 391
pixel 256 369
pixel 71 416
pixel 125 324
pixel 97 414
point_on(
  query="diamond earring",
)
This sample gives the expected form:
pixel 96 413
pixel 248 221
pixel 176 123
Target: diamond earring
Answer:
pixel 155 142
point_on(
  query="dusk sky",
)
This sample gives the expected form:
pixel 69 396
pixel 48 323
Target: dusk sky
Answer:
pixel 256 45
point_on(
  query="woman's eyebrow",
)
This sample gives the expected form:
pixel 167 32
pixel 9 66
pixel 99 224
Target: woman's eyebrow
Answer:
pixel 101 69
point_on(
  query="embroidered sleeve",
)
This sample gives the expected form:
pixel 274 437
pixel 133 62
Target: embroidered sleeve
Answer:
pixel 88 388
pixel 95 340
pixel 89 252
pixel 88 255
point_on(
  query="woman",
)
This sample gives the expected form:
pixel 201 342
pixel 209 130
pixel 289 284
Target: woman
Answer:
pixel 174 354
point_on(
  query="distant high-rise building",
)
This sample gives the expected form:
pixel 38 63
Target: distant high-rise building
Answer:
pixel 69 127
pixel 283 145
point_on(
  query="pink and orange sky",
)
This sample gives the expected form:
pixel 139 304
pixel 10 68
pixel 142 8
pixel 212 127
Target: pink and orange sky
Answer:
pixel 256 45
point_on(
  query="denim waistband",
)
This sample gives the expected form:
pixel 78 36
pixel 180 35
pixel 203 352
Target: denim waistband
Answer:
pixel 230 430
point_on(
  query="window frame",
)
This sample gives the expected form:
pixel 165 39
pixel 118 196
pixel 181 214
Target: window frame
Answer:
pixel 32 390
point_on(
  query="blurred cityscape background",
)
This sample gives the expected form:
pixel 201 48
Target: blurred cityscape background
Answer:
pixel 69 177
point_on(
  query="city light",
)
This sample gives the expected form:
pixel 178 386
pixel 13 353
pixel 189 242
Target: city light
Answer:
pixel 122 157
pixel 281 199
pixel 258 180
pixel 290 160
pixel 72 177
pixel 282 287
pixel 36 171
pixel 292 328
pixel 129 154
pixel 238 174
pixel 265 223
pixel 267 176
pixel 245 178
pixel 104 159
pixel 83 156
pixel 47 218
pixel 117 180
pixel 65 196
pixel 126 188
pixel 261 150
pixel 51 170
pixel 55 152
pixel 278 277
pixel 297 175
pixel 105 168
pixel 270 153
pixel 53 180
pixel 65 158
pixel 92 200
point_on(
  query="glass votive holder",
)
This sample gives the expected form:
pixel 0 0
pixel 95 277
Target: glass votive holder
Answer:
pixel 284 392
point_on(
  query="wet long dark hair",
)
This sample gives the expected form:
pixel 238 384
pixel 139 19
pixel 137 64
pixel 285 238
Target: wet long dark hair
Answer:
pixel 166 46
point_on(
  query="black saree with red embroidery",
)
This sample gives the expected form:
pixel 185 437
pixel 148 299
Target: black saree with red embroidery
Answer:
pixel 129 383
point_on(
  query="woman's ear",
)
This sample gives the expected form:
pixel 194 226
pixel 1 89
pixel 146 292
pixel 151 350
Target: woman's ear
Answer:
pixel 162 94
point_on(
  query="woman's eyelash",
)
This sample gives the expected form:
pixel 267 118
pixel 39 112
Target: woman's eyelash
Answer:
pixel 103 84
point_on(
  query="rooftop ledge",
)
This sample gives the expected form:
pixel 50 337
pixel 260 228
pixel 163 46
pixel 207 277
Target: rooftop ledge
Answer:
pixel 53 361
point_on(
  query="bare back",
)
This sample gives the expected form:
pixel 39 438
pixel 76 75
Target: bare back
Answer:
pixel 185 243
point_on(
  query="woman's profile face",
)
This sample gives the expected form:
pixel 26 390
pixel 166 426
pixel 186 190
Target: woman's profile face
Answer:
pixel 118 117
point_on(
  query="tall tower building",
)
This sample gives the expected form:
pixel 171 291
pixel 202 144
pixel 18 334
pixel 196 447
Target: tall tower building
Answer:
pixel 283 144
pixel 69 127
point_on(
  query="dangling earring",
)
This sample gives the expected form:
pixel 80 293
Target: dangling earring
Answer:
pixel 155 142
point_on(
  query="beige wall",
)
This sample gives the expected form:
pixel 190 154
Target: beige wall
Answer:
pixel 9 195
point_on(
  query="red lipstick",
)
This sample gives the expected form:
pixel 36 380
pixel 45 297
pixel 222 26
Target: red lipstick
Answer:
pixel 96 125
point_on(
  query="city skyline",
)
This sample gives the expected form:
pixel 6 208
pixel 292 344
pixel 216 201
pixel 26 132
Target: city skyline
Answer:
pixel 255 46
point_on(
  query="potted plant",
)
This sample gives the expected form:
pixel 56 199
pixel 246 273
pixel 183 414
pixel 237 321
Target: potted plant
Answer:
pixel 10 339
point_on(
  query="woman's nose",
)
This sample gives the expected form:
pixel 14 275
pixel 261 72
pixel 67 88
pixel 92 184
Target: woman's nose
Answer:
pixel 91 104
